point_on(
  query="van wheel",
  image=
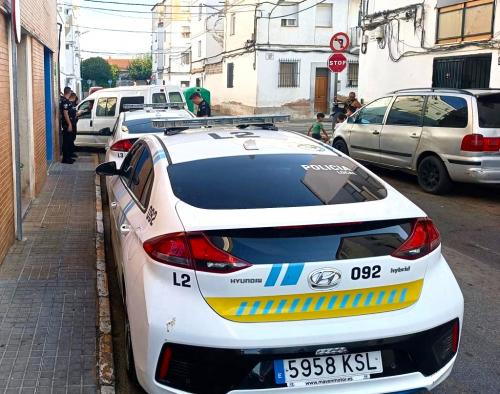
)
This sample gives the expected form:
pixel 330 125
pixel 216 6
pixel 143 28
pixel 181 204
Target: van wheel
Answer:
pixel 129 352
pixel 433 176
pixel 341 146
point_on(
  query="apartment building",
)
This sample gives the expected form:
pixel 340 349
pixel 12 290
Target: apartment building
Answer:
pixel 438 43
pixel 275 57
pixel 171 41
pixel 27 141
pixel 70 58
pixel 207 39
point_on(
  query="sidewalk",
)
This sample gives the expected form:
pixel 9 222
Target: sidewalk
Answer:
pixel 48 290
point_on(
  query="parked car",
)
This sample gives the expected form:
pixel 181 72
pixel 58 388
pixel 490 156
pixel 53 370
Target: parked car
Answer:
pixel 259 260
pixel 130 126
pixel 101 108
pixel 441 135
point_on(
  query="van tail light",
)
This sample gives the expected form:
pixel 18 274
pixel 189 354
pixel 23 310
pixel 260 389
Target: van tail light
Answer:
pixel 424 239
pixel 193 251
pixel 164 363
pixel 479 143
pixel 122 145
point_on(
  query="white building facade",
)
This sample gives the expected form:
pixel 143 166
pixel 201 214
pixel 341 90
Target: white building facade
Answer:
pixel 435 43
pixel 70 58
pixel 171 42
pixel 275 57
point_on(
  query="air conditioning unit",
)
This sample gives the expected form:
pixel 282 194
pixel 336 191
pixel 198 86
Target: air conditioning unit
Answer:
pixel 288 22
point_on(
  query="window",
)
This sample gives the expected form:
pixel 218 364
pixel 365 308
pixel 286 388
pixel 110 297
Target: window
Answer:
pixel 185 32
pixel 186 58
pixel 446 111
pixel 230 75
pixel 406 111
pixel 324 15
pixel 175 97
pixel 374 112
pixel 352 74
pixel 142 177
pixel 130 100
pixel 106 106
pixel 67 46
pixel 86 109
pixel 129 163
pixel 465 21
pixel 289 14
pixel 488 107
pixel 232 24
pixel 289 74
pixel 199 48
pixel 271 181
pixel 185 84
pixel 159 98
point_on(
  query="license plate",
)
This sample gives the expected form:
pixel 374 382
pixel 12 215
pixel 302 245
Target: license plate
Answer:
pixel 337 368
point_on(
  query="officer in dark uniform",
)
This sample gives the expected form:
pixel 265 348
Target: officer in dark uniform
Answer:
pixel 73 116
pixel 203 107
pixel 66 126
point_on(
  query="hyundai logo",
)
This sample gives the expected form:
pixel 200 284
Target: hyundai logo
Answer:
pixel 324 279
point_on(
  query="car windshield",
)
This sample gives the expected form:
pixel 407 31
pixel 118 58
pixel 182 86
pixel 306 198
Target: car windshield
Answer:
pixel 272 181
pixel 488 107
pixel 142 126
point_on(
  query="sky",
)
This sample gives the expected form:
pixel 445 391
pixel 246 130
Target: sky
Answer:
pixel 115 44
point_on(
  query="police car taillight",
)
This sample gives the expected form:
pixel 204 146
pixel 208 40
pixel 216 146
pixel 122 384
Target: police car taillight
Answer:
pixel 192 251
pixel 423 239
pixel 122 145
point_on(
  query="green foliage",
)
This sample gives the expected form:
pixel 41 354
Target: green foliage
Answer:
pixel 97 70
pixel 140 68
pixel 115 72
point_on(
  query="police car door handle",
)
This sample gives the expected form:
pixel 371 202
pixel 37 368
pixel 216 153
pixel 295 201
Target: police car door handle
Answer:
pixel 124 229
pixel 91 122
pixel 414 135
pixel 375 132
pixel 113 204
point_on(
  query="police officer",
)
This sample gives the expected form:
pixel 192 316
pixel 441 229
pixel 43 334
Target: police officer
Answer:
pixel 203 107
pixel 66 126
pixel 73 116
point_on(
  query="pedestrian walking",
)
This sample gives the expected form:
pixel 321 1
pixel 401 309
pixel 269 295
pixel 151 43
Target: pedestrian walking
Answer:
pixel 66 126
pixel 317 128
pixel 73 116
pixel 203 107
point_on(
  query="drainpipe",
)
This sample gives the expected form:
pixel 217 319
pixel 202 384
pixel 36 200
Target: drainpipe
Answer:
pixel 17 148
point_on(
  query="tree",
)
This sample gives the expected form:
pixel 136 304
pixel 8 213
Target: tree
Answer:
pixel 140 68
pixel 115 72
pixel 97 70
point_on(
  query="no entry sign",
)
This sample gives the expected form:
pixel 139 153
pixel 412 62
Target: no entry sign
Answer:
pixel 337 63
pixel 339 42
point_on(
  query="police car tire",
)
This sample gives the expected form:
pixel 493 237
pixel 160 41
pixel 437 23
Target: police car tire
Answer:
pixel 341 146
pixel 432 176
pixel 129 352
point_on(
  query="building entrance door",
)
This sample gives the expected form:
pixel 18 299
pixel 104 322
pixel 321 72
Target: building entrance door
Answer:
pixel 321 90
pixel 462 72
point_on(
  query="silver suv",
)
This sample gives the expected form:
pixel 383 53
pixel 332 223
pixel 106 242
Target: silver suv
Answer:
pixel 442 135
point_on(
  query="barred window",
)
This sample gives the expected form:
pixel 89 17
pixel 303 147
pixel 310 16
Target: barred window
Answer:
pixel 352 76
pixel 289 74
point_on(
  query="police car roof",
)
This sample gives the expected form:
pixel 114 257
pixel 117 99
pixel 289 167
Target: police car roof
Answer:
pixel 156 114
pixel 199 144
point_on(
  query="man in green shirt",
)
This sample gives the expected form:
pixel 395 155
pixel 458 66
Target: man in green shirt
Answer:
pixel 317 128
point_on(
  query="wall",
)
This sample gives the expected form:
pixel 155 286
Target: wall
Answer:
pixel 379 74
pixel 6 180
pixel 38 17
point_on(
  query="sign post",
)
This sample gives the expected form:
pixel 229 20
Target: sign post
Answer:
pixel 337 62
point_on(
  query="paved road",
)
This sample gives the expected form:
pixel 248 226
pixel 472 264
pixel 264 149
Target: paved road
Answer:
pixel 469 222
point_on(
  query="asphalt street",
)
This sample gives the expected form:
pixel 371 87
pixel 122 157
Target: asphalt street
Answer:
pixel 469 221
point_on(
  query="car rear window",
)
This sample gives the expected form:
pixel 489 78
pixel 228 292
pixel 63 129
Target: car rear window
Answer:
pixel 141 126
pixel 488 107
pixel 272 181
pixel 313 243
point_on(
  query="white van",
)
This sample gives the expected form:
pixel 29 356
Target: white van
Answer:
pixel 101 108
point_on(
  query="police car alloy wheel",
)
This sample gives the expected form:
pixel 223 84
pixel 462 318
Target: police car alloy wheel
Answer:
pixel 261 261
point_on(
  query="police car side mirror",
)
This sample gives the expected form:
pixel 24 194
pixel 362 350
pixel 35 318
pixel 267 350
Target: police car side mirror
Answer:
pixel 107 169
pixel 106 132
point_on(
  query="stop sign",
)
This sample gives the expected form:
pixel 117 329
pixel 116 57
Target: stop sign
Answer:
pixel 337 63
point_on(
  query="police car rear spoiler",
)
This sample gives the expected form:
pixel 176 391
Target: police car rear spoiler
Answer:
pixel 174 126
pixel 132 107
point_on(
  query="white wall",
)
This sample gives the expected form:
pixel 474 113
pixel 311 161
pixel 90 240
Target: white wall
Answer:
pixel 379 74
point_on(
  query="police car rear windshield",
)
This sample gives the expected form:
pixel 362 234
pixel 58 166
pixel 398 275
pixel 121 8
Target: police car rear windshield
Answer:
pixel 142 126
pixel 272 181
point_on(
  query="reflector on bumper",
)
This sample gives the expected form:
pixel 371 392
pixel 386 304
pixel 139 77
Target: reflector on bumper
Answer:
pixel 317 305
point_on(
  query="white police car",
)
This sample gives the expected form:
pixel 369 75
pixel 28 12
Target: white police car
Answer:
pixel 261 260
pixel 130 126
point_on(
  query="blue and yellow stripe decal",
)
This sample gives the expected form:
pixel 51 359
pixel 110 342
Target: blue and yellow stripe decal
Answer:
pixel 320 305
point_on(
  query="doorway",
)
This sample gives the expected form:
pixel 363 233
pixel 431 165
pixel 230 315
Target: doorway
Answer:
pixel 462 72
pixel 321 90
pixel 25 105
pixel 49 110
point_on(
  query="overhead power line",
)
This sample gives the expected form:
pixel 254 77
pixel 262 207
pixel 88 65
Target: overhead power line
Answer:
pixel 194 6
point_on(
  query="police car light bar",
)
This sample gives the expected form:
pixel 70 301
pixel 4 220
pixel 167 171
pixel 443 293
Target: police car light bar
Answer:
pixel 238 121
pixel 154 106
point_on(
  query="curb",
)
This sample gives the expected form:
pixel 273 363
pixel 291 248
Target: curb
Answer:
pixel 105 363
